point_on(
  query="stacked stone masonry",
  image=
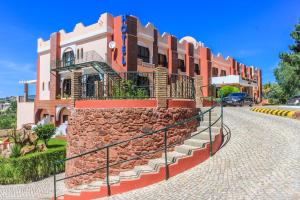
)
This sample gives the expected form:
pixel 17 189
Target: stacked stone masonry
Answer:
pixel 92 128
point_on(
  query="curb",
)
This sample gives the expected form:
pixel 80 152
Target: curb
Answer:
pixel 278 112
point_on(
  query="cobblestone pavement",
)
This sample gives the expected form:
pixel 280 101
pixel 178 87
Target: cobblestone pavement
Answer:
pixel 37 190
pixel 261 161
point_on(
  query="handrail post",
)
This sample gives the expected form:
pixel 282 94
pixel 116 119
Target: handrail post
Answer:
pixel 107 171
pixel 222 113
pixel 54 182
pixel 210 139
pixel 166 156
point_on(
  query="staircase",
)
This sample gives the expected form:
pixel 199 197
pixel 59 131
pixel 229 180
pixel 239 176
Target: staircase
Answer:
pixel 193 151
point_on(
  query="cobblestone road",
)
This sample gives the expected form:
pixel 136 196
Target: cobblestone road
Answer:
pixel 261 161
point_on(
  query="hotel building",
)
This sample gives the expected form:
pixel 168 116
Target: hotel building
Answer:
pixel 80 64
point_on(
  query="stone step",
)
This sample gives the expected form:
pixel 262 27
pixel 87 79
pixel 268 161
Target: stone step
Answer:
pixel 154 163
pixel 196 142
pixel 213 113
pixel 112 180
pixel 206 123
pixel 143 169
pixel 173 156
pixel 129 174
pixel 185 149
pixel 213 128
pixel 204 136
pixel 94 186
pixel 213 118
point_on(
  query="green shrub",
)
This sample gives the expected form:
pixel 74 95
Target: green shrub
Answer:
pixel 16 150
pixel 32 167
pixel 127 89
pixel 45 132
pixel 226 90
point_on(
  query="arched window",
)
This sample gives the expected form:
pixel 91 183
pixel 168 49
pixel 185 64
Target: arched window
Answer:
pixel 68 58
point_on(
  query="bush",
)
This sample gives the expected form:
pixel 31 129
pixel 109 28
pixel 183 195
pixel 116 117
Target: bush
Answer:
pixel 32 167
pixel 127 89
pixel 45 132
pixel 16 150
pixel 226 90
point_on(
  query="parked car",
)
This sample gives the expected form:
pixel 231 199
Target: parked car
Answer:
pixel 294 100
pixel 238 99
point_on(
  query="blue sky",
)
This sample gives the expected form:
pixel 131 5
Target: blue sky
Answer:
pixel 253 31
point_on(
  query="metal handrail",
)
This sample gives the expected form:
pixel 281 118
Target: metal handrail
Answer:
pixel 164 148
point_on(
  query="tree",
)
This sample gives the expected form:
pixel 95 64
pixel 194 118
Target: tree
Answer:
pixel 274 93
pixel 226 90
pixel 288 72
pixel 45 132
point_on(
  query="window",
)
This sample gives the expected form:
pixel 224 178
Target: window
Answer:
pixel 43 86
pixel 81 53
pixel 77 53
pixel 215 72
pixel 65 118
pixel 181 65
pixel 162 60
pixel 48 85
pixel 197 69
pixel 67 88
pixel 68 58
pixel 223 73
pixel 143 53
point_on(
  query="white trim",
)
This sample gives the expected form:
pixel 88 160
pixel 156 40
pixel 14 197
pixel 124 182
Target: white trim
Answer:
pixel 88 35
pixel 145 36
pixel 98 32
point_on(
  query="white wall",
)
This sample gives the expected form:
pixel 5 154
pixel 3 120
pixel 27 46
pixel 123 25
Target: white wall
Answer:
pixel 25 113
pixel 44 76
pixel 96 44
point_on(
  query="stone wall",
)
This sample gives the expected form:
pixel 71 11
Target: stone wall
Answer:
pixel 92 128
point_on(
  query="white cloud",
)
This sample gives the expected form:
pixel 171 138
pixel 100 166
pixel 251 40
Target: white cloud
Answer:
pixel 16 67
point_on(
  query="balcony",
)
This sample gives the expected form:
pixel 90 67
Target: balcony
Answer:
pixel 133 85
pixel 88 59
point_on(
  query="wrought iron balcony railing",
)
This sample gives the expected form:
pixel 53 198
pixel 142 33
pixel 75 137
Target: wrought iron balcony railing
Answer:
pixel 77 62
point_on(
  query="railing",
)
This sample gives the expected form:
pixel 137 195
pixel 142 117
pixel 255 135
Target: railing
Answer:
pixel 123 85
pixel 89 56
pixel 180 87
pixel 164 149
pixel 30 98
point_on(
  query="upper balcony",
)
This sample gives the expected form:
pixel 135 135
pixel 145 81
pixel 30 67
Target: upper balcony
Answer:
pixel 70 62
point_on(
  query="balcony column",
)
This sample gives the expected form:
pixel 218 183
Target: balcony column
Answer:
pixel 198 91
pixel 161 81
pixel 75 86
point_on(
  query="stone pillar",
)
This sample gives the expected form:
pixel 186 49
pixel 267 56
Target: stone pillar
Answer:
pixel 75 86
pixel 198 91
pixel 161 81
pixel 97 89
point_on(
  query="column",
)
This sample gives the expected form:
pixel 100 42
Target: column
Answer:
pixel 161 81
